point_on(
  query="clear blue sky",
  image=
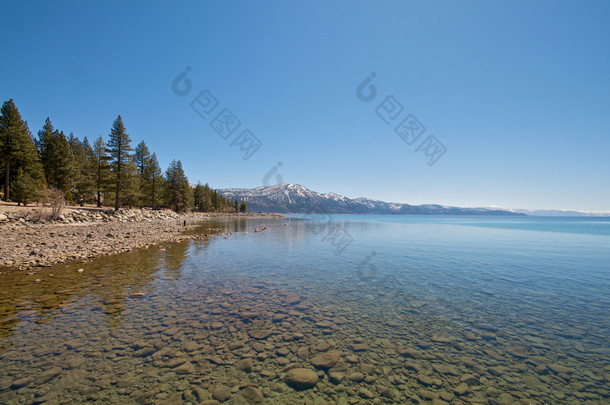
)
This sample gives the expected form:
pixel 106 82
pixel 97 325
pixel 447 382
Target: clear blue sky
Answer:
pixel 517 91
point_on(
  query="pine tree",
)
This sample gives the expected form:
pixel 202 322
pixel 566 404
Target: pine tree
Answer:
pixel 25 188
pixel 130 192
pixel 45 139
pixel 198 197
pixel 142 160
pixel 206 203
pixel 30 159
pixel 141 157
pixel 101 167
pixel 154 181
pixel 218 202
pixel 178 193
pixel 88 171
pixel 243 207
pixel 57 157
pixel 120 159
pixel 82 181
pixel 63 167
pixel 17 148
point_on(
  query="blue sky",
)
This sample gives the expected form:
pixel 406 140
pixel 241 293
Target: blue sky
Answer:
pixel 517 92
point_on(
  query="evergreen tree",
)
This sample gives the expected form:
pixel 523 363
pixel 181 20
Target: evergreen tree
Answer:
pixel 45 136
pixel 82 179
pixel 17 148
pixel 63 163
pixel 178 193
pixel 219 203
pixel 30 159
pixel 130 193
pixel 101 168
pixel 154 181
pixel 206 203
pixel 25 188
pixel 88 172
pixel 56 156
pixel 142 160
pixel 121 161
pixel 243 207
pixel 141 157
pixel 236 205
pixel 198 197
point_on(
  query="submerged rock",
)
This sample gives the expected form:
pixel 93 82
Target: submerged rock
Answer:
pixel 461 389
pixel 186 368
pixel 22 382
pixel 325 360
pixel 356 377
pixel 252 395
pixel 221 393
pixel 359 347
pixel 261 333
pixel 245 365
pixel 301 378
pixel 365 393
pixel 559 369
pixel 48 375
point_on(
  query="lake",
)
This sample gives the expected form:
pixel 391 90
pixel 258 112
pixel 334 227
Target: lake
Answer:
pixel 322 309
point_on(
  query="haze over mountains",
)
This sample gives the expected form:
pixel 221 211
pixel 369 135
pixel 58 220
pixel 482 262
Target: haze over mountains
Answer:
pixel 293 198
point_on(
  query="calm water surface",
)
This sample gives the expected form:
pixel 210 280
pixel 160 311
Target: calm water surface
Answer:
pixel 383 309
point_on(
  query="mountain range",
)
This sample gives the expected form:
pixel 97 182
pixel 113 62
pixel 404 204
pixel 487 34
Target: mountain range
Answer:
pixel 296 199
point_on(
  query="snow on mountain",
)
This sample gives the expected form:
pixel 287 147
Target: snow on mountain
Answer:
pixel 294 198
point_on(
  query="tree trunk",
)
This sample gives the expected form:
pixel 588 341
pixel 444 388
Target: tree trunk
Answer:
pixel 7 176
pixel 153 193
pixel 116 200
pixel 99 198
pixel 118 181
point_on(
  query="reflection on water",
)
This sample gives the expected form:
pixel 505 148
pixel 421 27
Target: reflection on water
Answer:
pixel 443 312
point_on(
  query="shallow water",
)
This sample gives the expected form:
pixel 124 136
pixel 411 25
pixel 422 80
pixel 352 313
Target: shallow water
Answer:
pixel 454 310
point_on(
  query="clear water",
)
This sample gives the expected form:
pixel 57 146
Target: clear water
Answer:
pixel 417 309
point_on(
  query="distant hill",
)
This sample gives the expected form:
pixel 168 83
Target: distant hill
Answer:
pixel 296 199
pixel 561 213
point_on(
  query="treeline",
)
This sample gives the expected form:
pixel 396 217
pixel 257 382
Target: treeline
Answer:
pixel 110 173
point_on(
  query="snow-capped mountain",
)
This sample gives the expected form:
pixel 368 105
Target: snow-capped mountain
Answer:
pixel 293 198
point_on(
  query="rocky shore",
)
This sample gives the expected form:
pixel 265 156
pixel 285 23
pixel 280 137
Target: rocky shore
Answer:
pixel 28 238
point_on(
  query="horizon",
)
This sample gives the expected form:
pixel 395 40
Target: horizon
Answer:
pixel 341 97
pixel 408 203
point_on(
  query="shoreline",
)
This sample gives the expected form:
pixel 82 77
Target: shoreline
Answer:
pixel 28 240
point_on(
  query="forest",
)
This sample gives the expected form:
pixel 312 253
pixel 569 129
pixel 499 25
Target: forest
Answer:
pixel 102 172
